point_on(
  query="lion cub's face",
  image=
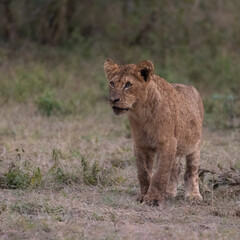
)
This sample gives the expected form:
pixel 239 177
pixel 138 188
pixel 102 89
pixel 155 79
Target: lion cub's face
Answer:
pixel 127 84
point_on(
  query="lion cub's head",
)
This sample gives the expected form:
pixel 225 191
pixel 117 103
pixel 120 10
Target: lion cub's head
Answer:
pixel 127 84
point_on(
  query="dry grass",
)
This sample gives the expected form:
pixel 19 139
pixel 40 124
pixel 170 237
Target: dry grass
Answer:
pixel 62 200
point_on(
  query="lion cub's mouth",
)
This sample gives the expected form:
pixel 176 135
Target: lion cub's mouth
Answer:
pixel 118 110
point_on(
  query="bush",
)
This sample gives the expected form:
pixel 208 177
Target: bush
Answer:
pixel 16 178
pixel 22 82
pixel 48 105
pixel 222 111
pixel 57 171
pixel 90 173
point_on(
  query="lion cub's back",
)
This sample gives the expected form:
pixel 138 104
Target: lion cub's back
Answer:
pixel 190 98
pixel 190 118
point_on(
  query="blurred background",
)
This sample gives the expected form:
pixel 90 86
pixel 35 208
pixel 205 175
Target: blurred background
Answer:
pixel 52 51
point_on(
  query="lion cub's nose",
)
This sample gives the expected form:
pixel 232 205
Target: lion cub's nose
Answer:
pixel 114 100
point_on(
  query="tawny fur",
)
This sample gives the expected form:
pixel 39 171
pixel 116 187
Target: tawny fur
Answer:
pixel 166 122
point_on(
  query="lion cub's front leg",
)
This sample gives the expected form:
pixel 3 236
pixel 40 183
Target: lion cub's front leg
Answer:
pixel 160 179
pixel 144 159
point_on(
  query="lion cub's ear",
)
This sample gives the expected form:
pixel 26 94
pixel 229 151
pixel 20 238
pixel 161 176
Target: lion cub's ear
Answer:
pixel 145 69
pixel 110 67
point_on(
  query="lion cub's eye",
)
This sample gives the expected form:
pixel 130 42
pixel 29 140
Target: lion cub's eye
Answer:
pixel 111 84
pixel 127 85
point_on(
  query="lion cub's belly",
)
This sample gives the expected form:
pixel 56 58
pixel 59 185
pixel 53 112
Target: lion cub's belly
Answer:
pixel 184 150
pixel 187 141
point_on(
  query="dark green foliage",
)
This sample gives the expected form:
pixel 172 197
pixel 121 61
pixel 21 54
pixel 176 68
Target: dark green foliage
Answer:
pixel 191 42
pixel 57 172
pixel 162 27
pixel 17 178
pixel 56 155
pixel 222 111
pixel 90 173
pixel 25 83
pixel 61 177
pixel 48 105
pixel 36 178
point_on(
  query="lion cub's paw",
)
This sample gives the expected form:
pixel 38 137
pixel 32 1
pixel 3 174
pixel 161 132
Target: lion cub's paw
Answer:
pixel 140 198
pixel 194 198
pixel 151 201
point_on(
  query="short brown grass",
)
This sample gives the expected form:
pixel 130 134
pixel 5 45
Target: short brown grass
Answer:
pixel 65 204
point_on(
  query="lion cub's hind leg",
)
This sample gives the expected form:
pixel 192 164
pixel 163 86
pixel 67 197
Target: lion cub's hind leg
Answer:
pixel 191 176
pixel 173 182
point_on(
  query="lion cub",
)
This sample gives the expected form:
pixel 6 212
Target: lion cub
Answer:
pixel 166 122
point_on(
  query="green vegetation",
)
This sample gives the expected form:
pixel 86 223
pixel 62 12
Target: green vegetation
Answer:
pixel 56 54
pixel 16 178
pixel 48 105
pixel 90 176
pixel 21 178
pixel 60 89
pixel 223 111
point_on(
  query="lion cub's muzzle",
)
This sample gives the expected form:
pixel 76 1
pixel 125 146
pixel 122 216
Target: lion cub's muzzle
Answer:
pixel 116 109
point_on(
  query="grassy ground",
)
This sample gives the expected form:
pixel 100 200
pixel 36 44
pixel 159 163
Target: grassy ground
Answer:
pixel 67 169
pixel 74 177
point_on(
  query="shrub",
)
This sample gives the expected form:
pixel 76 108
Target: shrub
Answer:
pixel 48 105
pixel 90 173
pixel 36 178
pixel 15 178
pixel 58 173
pixel 222 111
